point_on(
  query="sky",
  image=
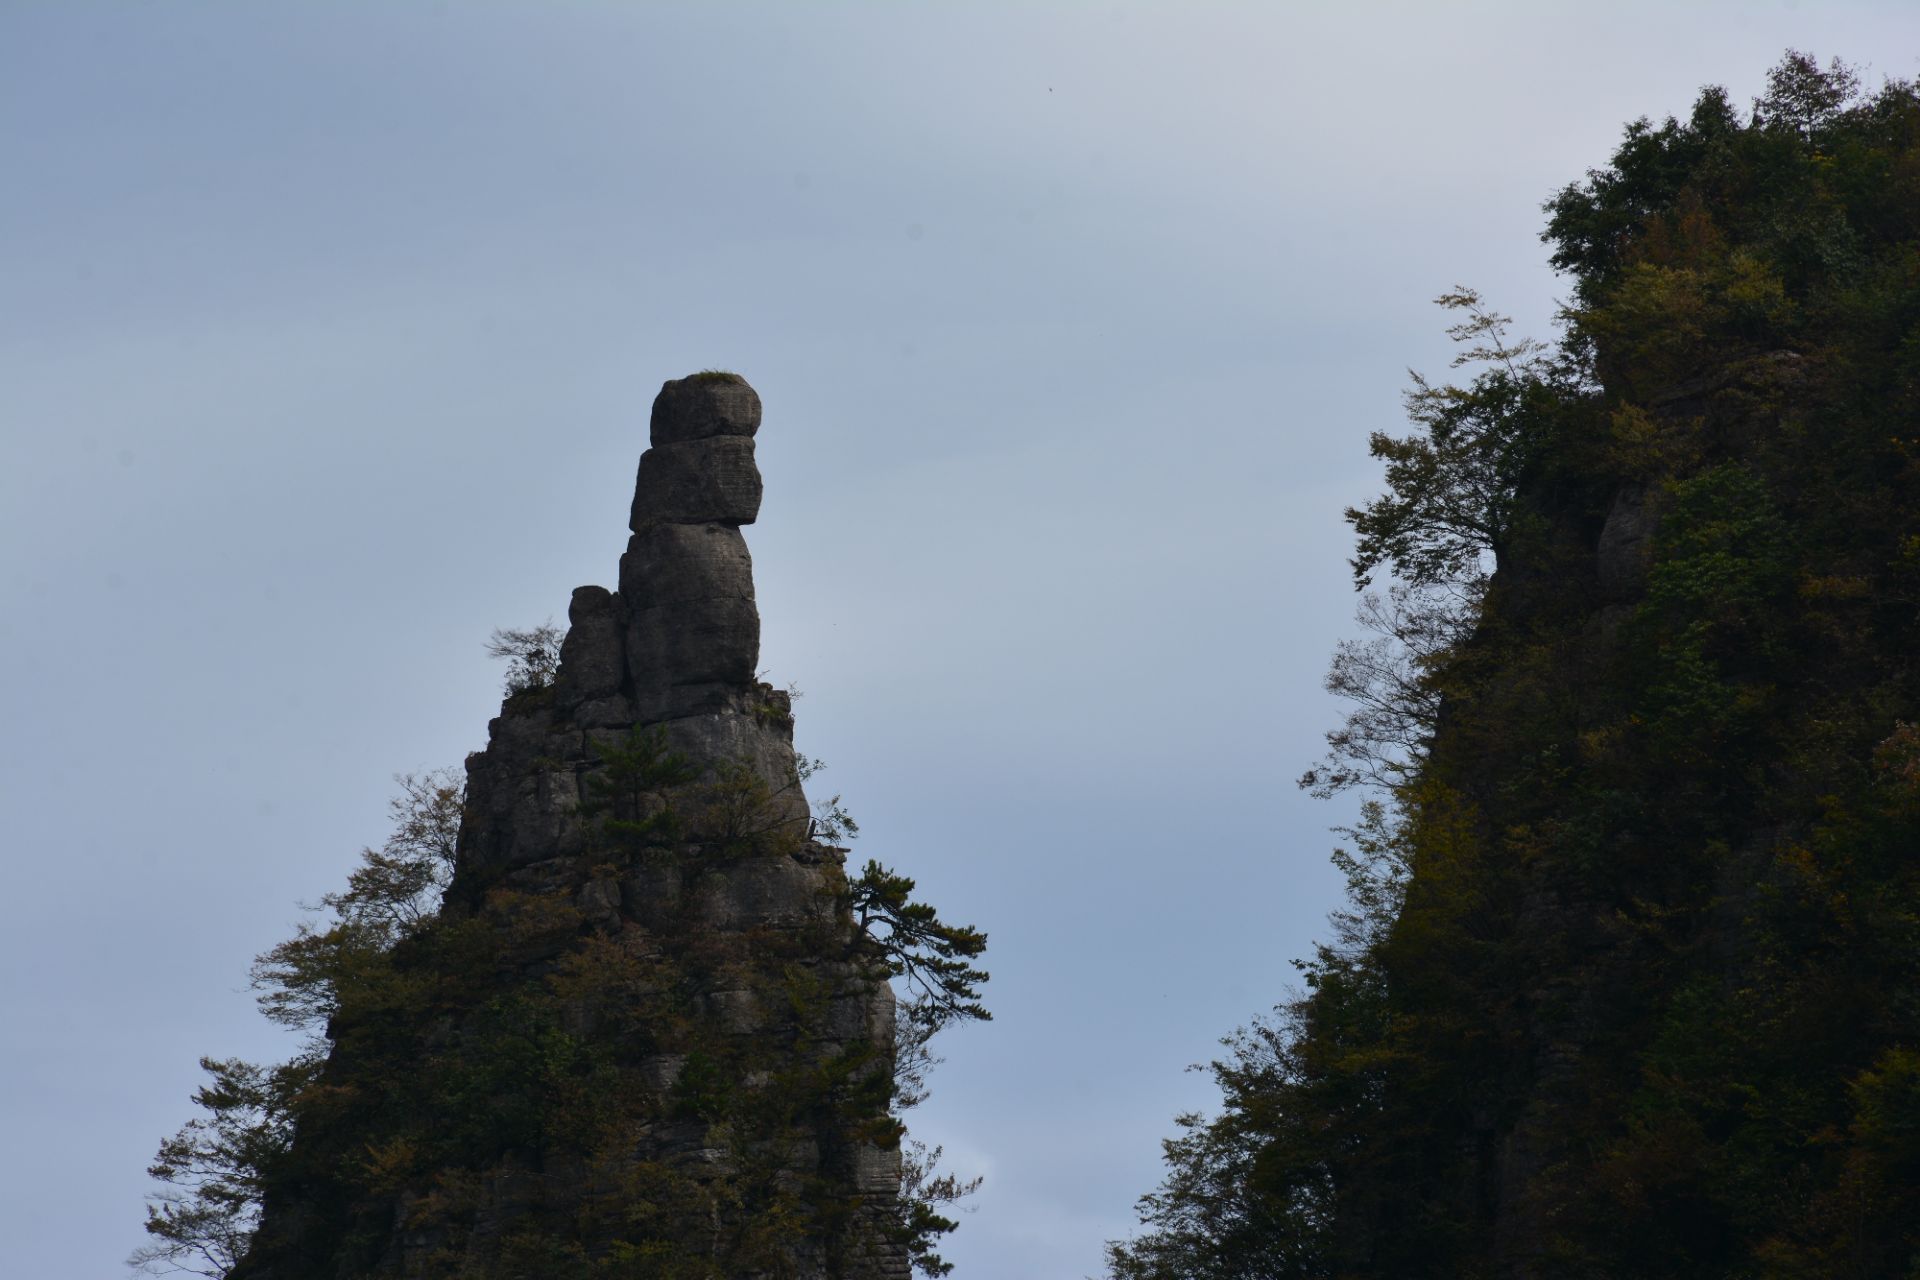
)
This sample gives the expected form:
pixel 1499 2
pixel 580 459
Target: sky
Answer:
pixel 328 333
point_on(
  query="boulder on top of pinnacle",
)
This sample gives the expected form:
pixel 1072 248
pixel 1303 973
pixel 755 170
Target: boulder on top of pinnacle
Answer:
pixel 592 656
pixel 702 405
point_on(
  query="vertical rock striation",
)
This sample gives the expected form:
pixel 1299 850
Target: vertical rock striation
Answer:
pixel 638 895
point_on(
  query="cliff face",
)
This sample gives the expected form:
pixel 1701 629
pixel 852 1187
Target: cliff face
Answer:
pixel 643 1037
pixel 1628 983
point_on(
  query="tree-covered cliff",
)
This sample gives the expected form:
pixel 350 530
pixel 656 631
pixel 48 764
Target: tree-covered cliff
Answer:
pixel 613 1006
pixel 1629 984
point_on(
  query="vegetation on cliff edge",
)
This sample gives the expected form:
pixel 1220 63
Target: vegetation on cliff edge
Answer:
pixel 1629 982
pixel 457 1052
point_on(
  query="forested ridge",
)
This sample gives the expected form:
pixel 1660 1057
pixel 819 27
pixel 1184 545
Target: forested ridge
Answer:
pixel 1627 982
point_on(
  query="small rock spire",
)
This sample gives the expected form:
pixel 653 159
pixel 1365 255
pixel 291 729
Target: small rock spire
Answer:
pixel 686 578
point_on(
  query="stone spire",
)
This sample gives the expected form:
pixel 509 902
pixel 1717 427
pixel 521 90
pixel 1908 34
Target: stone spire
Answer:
pixel 693 630
pixel 725 943
pixel 678 645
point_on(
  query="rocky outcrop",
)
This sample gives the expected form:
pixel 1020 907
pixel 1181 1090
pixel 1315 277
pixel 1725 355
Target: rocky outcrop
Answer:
pixel 704 961
pixel 1626 542
pixel 675 648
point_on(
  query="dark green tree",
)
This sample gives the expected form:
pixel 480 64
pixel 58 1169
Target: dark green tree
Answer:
pixel 434 1049
pixel 532 655
pixel 214 1170
pixel 932 958
pixel 1625 984
pixel 1453 483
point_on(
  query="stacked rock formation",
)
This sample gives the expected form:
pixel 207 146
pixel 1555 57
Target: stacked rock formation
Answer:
pixel 637 863
pixel 676 647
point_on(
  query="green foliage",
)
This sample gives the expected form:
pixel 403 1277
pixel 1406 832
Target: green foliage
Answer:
pixel 935 959
pixel 1452 485
pixel 519 1033
pixel 392 894
pixel 1626 983
pixel 216 1168
pixel 1393 683
pixel 1245 1194
pixel 532 655
pixel 831 822
pixel 1802 99
pixel 635 791
pixel 653 801
pixel 924 1193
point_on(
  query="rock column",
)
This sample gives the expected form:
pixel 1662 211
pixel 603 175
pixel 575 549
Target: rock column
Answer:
pixel 747 1024
pixel 675 651
pixel 676 647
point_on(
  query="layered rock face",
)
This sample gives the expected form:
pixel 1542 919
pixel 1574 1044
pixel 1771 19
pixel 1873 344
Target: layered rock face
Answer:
pixel 638 883
pixel 675 648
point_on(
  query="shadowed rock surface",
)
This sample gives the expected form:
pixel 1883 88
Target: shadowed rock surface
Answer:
pixel 637 886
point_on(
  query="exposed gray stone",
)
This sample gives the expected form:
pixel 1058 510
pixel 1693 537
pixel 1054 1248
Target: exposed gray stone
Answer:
pixel 680 1138
pixel 695 481
pixel 759 893
pixel 674 652
pixel 876 1171
pixel 861 1014
pixel 545 816
pixel 776 706
pixel 599 898
pixel 662 1071
pixel 676 702
pixel 1626 541
pixel 651 893
pixel 604 713
pixel 706 640
pixel 592 656
pixel 737 1012
pixel 589 602
pixel 674 564
pixel 770 709
pixel 732 737
pixel 703 405
pixel 523 792
pixel 731 734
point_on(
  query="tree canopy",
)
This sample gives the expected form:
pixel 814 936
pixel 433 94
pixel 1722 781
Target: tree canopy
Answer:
pixel 1624 986
pixel 435 1052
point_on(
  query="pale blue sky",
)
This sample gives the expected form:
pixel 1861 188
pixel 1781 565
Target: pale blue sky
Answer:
pixel 327 336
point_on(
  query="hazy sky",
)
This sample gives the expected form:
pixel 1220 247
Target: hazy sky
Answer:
pixel 327 337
